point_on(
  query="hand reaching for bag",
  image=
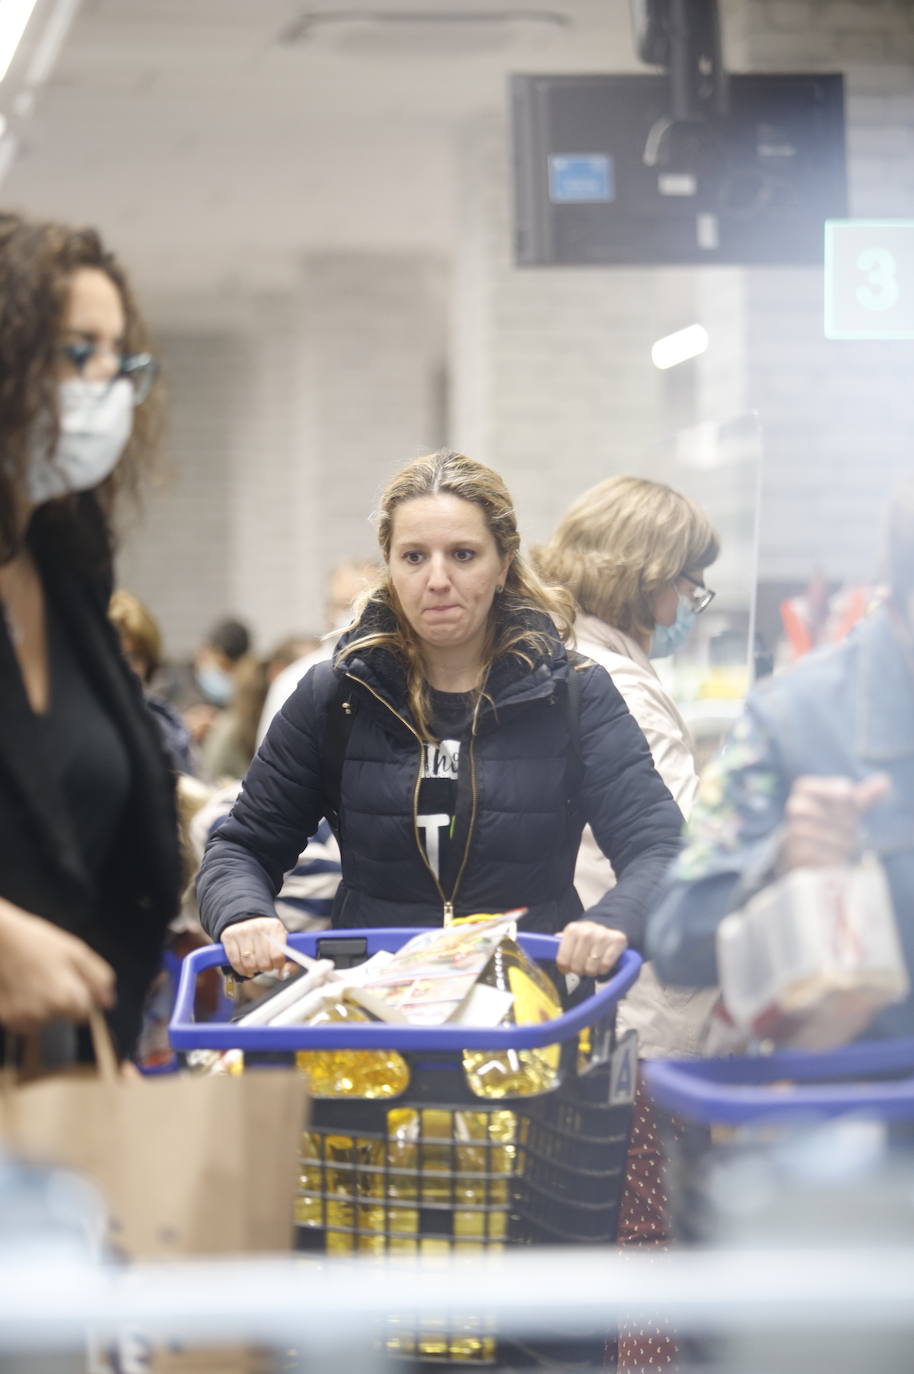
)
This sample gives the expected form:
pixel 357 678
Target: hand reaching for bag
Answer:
pixel 822 820
pixel 589 949
pixel 255 946
pixel 47 973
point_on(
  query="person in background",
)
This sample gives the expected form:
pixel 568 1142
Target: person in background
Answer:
pixel 820 765
pixel 346 584
pixel 459 788
pixel 89 864
pixel 633 554
pixel 305 900
pixel 286 652
pixel 214 664
pixel 229 744
pixel 141 641
pixel 217 659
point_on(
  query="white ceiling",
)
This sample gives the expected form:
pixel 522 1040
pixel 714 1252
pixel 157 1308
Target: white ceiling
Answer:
pixel 211 152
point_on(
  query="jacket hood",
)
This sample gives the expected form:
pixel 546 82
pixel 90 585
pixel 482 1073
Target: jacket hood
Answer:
pixel 511 679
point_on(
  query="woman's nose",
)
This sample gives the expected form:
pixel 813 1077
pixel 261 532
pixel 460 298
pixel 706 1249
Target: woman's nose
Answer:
pixel 438 571
pixel 103 365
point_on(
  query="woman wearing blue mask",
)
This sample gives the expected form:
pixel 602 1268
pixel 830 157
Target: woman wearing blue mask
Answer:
pixel 89 865
pixel 633 554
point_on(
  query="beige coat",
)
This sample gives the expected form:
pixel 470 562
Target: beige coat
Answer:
pixel 669 1021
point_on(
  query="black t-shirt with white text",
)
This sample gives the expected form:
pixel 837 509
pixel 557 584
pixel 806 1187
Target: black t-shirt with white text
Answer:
pixel 450 720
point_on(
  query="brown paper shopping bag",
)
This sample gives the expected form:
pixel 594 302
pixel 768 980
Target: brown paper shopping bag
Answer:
pixel 189 1166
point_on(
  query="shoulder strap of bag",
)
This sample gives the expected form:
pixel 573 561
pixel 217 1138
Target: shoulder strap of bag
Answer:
pixel 573 702
pixel 575 752
pixel 334 745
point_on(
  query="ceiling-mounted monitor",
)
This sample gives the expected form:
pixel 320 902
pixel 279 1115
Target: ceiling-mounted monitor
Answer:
pixel 602 175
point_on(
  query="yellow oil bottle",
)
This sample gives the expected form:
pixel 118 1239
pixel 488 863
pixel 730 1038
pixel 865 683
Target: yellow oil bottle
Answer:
pixel 352 1073
pixel 341 1178
pixel 369 1192
pixel 517 1073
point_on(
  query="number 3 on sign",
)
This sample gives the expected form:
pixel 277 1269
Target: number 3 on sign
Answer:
pixel 881 291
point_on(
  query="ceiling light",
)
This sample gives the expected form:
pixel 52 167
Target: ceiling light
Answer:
pixel 14 15
pixel 49 45
pixel 679 347
pixel 425 33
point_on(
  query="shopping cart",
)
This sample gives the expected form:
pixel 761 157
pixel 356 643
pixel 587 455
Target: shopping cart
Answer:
pixel 432 1167
pixel 793 1151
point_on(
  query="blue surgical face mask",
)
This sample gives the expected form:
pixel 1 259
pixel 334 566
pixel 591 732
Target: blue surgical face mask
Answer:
pixel 95 423
pixel 215 684
pixel 666 639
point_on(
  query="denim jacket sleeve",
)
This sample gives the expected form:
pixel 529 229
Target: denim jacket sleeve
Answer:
pixel 731 848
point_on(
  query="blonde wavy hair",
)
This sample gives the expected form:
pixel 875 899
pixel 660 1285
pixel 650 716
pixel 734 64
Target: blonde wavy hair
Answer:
pixel 513 627
pixel 622 541
pixel 136 624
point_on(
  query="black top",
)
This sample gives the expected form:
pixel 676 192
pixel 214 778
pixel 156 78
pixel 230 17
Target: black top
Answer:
pixel 123 908
pixel 87 749
pixel 450 723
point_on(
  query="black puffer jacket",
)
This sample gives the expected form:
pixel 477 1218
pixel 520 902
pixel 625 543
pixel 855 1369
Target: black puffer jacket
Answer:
pixel 523 795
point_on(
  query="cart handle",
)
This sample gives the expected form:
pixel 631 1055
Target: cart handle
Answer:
pixel 186 1034
pixel 734 1092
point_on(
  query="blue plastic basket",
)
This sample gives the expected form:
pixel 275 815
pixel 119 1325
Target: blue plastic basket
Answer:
pixel 482 1173
pixel 873 1077
pixel 188 1034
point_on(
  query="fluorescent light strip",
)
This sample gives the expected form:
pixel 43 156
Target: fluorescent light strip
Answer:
pixel 14 15
pixel 51 41
pixel 679 347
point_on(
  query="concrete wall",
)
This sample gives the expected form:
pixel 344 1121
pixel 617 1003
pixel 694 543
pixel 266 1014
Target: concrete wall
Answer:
pixel 293 403
pixel 287 415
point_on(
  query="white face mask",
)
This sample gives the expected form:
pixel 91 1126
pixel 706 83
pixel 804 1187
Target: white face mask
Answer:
pixel 95 423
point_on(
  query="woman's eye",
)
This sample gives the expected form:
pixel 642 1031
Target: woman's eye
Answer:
pixel 412 556
pixel 463 555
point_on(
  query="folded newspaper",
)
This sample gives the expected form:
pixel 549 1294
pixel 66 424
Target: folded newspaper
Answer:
pixel 430 980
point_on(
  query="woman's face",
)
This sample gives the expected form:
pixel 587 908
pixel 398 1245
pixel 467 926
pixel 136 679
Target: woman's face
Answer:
pixel 444 567
pixel 94 318
pixel 665 603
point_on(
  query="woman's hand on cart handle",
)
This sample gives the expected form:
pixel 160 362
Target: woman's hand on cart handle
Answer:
pixel 590 949
pixel 256 945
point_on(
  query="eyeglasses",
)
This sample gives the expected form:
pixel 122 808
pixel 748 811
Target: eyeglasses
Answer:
pixel 701 597
pixel 140 369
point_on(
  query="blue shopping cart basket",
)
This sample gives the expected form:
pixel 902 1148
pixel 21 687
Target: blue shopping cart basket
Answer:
pixel 874 1077
pixel 786 1145
pixel 787 1151
pixel 434 1167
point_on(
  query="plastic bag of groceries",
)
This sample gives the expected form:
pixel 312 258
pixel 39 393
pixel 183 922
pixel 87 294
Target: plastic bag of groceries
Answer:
pixel 810 960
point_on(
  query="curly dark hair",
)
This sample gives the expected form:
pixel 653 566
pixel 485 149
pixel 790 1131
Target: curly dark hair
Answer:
pixel 37 260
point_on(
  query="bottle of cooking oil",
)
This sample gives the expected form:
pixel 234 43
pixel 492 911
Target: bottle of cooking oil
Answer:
pixel 517 1073
pixel 341 1177
pixel 351 1073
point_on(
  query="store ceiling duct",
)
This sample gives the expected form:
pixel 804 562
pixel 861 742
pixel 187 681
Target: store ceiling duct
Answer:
pixel 453 33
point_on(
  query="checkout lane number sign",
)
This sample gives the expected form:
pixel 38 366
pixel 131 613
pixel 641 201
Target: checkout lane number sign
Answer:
pixel 869 279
